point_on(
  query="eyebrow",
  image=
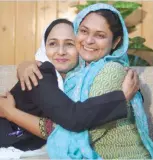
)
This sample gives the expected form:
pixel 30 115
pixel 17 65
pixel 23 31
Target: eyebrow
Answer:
pixel 99 31
pixel 54 39
pixel 69 40
pixel 57 39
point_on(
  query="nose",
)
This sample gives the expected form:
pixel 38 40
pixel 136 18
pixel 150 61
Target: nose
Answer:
pixel 61 50
pixel 90 39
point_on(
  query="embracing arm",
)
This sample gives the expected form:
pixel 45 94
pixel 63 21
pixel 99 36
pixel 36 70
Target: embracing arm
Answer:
pixel 75 116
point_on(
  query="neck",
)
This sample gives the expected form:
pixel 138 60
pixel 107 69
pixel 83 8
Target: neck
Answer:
pixel 63 75
pixel 87 63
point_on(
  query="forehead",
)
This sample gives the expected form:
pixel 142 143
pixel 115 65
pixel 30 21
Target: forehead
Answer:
pixel 62 31
pixel 95 21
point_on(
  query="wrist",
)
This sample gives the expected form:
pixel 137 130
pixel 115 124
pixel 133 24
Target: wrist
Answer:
pixel 11 113
pixel 125 96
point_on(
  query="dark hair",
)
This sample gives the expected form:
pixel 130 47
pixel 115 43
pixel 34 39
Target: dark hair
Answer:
pixel 54 23
pixel 114 24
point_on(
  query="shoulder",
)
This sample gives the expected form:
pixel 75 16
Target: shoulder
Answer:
pixel 109 78
pixel 47 67
pixel 113 68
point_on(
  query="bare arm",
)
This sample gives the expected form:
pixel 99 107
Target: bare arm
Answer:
pixel 27 121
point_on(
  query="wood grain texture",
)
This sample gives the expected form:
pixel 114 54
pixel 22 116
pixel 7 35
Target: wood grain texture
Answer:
pixel 7 32
pixel 22 24
pixel 25 31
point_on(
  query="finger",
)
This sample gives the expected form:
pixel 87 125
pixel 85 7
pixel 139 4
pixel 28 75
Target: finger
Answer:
pixel 28 83
pixel 17 75
pixel 130 74
pixel 22 83
pixel 34 79
pixel 9 95
pixel 136 80
pixel 38 63
pixel 37 72
pixel 126 69
pixel 2 96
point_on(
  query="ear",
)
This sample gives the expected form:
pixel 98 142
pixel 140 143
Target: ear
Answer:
pixel 116 42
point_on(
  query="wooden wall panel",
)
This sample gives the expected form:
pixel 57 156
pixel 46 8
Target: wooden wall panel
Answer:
pixel 25 31
pixel 22 24
pixel 40 20
pixel 147 24
pixel 136 19
pixel 46 12
pixel 147 28
pixel 7 31
pixel 66 9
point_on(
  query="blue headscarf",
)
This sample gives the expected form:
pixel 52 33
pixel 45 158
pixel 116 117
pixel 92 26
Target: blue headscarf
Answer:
pixel 70 145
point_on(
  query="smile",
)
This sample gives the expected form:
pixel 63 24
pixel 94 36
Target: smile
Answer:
pixel 88 49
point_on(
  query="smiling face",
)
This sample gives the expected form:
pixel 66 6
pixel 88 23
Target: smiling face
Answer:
pixel 94 39
pixel 60 48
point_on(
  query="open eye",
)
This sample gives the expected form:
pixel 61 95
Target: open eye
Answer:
pixel 70 44
pixel 83 31
pixel 52 44
pixel 100 36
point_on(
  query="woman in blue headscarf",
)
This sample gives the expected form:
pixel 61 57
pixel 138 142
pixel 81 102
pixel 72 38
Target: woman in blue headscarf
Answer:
pixel 102 42
pixel 102 38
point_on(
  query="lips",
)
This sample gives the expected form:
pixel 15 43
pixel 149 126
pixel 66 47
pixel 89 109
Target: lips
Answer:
pixel 88 49
pixel 61 60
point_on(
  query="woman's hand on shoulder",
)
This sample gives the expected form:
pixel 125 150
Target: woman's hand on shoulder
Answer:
pixel 27 73
pixel 130 84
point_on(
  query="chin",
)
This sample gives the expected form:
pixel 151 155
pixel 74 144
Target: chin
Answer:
pixel 87 58
pixel 62 70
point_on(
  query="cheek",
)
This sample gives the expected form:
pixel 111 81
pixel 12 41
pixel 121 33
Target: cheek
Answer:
pixel 49 53
pixel 105 44
pixel 79 39
pixel 77 43
pixel 74 56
